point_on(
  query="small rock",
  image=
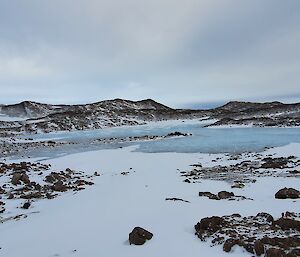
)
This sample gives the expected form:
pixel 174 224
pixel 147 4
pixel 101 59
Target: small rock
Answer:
pixel 138 236
pixel 225 195
pixel 26 205
pixel 238 185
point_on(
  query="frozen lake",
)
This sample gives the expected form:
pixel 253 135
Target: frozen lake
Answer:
pixel 203 140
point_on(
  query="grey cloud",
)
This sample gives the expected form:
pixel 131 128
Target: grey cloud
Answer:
pixel 173 51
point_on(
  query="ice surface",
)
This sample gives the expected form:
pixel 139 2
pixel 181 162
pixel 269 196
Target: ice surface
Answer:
pixel 204 140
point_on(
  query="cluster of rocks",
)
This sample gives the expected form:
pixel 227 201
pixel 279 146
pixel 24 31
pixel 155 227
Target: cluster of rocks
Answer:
pixel 139 138
pixel 11 146
pixel 260 234
pixel 31 181
pixel 245 171
pixel 286 121
pixel 223 195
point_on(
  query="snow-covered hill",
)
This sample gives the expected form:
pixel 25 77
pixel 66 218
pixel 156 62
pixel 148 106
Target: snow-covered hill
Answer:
pixel 32 117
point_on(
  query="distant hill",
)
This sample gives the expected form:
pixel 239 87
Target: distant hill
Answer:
pixel 43 118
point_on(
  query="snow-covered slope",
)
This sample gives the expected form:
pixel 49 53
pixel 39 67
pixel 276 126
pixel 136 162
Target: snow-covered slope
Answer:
pixel 47 118
pixel 32 117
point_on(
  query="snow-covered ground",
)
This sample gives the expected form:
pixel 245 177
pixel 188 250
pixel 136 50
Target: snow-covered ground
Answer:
pixel 96 221
pixel 10 118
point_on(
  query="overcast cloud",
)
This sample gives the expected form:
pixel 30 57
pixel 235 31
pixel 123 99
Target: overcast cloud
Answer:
pixel 177 52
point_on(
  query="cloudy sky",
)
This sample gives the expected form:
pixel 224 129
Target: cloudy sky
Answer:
pixel 178 52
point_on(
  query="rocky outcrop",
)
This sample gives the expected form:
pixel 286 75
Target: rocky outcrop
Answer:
pixel 259 235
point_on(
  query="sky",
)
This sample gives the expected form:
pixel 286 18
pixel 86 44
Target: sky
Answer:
pixel 181 53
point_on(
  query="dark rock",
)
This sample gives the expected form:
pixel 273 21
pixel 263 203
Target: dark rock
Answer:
pixel 16 178
pixel 259 247
pixel 229 243
pixel 211 224
pixel 176 199
pixel 59 187
pixel 26 205
pixel 274 163
pixel 294 253
pixel 286 193
pixel 225 195
pixel 287 224
pixel 138 236
pixel 273 252
pixel 268 217
pixel 209 195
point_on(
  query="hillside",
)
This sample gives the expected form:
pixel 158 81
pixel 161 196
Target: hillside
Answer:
pixel 33 117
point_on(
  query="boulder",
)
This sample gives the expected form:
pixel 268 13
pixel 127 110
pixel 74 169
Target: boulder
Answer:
pixel 274 252
pixel 287 193
pixel 225 195
pixel 18 177
pixel 211 224
pixel 139 236
pixel 266 216
pixel 286 224
pixel 229 243
pixel 259 247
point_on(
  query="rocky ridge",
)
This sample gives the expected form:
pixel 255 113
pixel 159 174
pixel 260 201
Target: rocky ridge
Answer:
pixel 32 117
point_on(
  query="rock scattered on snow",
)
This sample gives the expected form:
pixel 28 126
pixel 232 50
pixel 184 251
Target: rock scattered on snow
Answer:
pixel 222 195
pixel 139 236
pixel 287 193
pixel 259 234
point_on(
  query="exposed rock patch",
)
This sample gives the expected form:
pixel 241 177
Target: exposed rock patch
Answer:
pixel 33 181
pixel 258 235
pixel 222 195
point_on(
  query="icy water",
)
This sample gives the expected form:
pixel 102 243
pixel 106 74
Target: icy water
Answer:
pixel 204 140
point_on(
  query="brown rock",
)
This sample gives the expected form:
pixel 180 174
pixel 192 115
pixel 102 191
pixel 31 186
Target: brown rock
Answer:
pixel 138 236
pixel 59 187
pixel 287 224
pixel 229 243
pixel 273 252
pixel 294 253
pixel 212 224
pixel 225 195
pixel 16 178
pixel 268 217
pixel 259 247
pixel 209 195
pixel 286 193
